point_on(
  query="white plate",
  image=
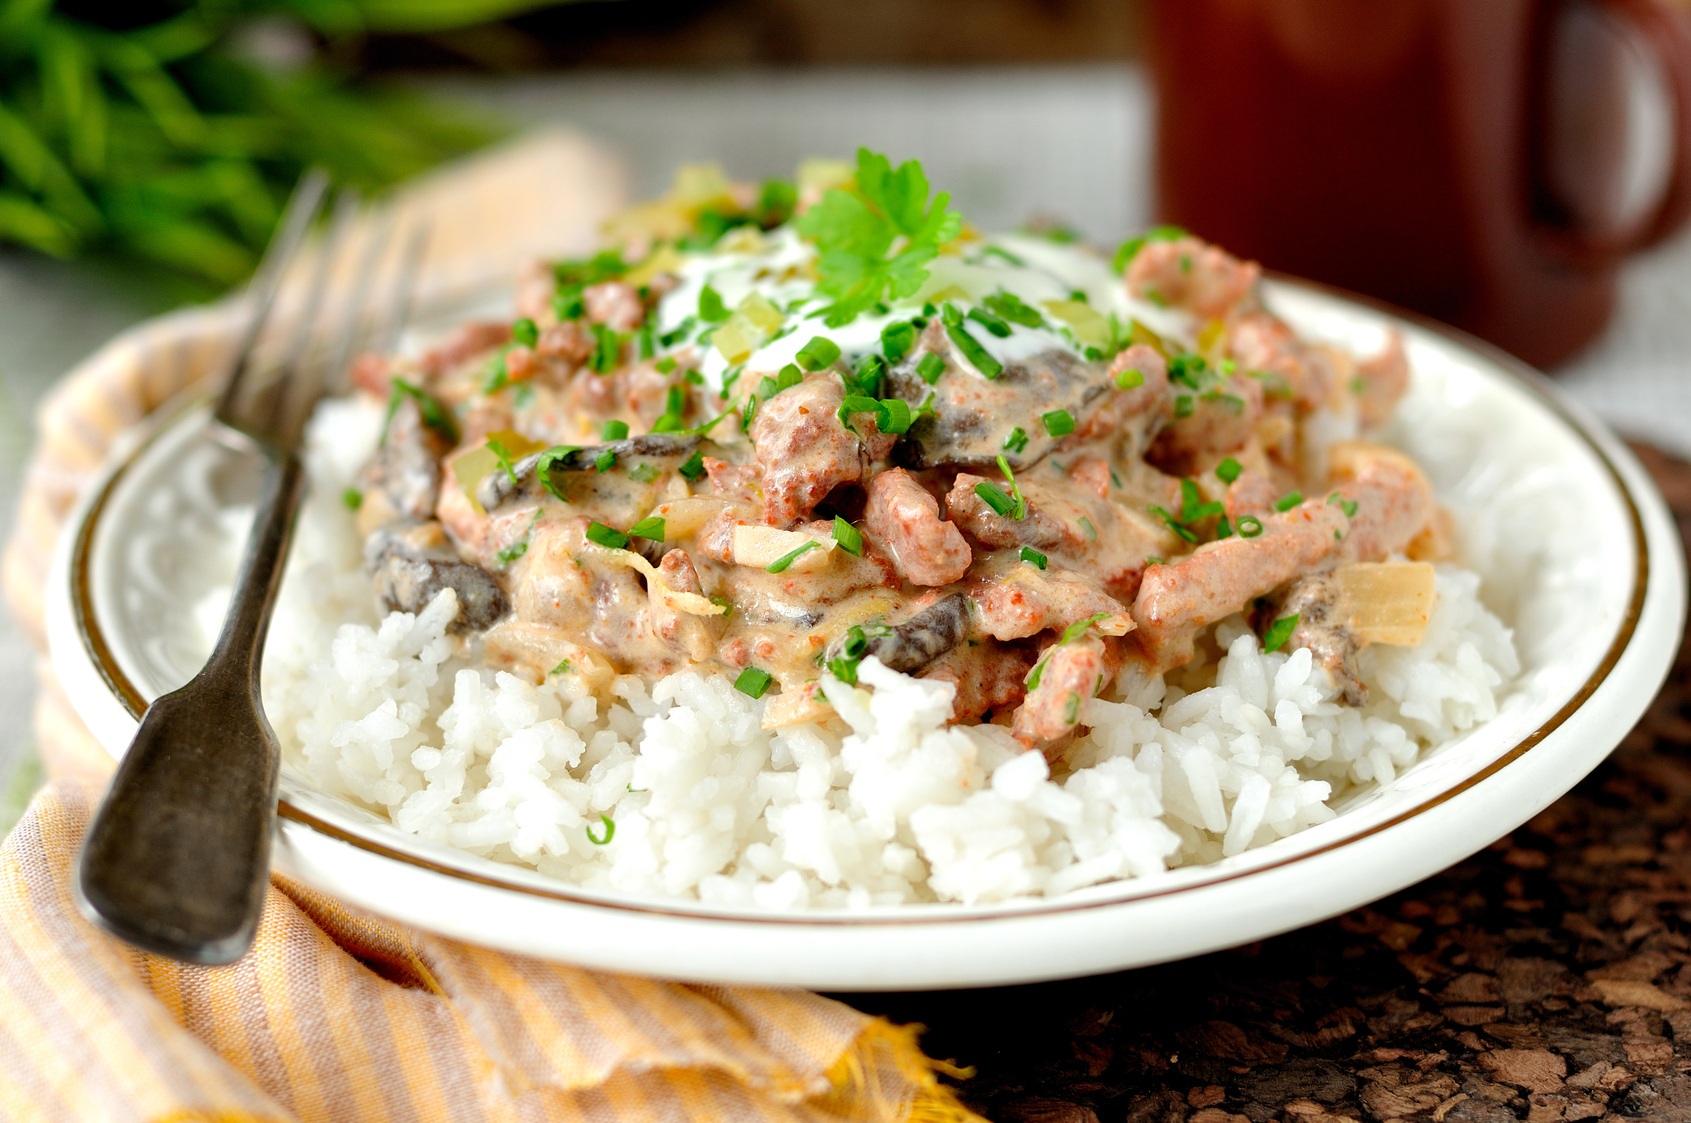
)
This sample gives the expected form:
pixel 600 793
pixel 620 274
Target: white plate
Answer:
pixel 1578 550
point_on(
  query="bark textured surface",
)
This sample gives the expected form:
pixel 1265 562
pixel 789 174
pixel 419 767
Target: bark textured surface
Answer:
pixel 1547 978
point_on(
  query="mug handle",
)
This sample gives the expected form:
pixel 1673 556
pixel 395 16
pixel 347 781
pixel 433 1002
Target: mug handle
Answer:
pixel 1667 28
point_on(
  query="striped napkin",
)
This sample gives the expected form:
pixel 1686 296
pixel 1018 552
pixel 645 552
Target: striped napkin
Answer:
pixel 337 1015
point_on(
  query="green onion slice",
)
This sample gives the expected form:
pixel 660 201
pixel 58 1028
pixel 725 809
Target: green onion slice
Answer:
pixel 649 528
pixel 1059 422
pixel 849 537
pixel 780 564
pixel 1279 632
pixel 607 536
pixel 1034 557
pixel 753 681
pixel 1249 526
pixel 1288 501
pixel 820 353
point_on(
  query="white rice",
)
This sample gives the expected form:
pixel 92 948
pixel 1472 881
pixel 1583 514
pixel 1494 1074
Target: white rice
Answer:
pixel 881 804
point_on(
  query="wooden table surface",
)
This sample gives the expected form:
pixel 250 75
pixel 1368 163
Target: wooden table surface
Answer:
pixel 1546 978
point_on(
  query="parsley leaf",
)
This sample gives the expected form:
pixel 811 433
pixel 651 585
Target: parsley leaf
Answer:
pixel 855 231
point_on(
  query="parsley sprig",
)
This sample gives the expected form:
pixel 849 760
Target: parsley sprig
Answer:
pixel 876 240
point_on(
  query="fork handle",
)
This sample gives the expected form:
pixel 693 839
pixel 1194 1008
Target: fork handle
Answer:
pixel 178 856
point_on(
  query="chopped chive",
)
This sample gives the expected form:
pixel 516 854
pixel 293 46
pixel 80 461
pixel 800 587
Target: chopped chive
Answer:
pixel 1348 506
pixel 1151 560
pixel 665 365
pixel 1015 488
pixel 607 350
pixel 1037 674
pixel 512 552
pixel 820 353
pixel 894 416
pixel 897 339
pixel 849 537
pixel 1059 422
pixel 1129 379
pixel 780 564
pixel 1183 405
pixel 610 831
pixel 1010 307
pixel 1279 632
pixel 1223 529
pixel 525 332
pixel 725 604
pixel 649 528
pixel 563 668
pixel 1173 523
pixel 1091 531
pixel 993 496
pixel 1078 628
pixel 352 499
pixel 682 331
pixel 694 466
pixel 1288 501
pixel 607 536
pixel 614 430
pixel 605 461
pixel 866 377
pixel 990 322
pixel 1017 440
pixel 844 669
pixel 1228 470
pixel 753 681
pixel 711 308
pixel 1071 708
pixel 970 347
pixel 1249 526
pixel 1034 557
pixel 929 367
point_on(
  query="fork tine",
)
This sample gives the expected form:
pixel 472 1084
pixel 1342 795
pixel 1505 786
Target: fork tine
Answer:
pixel 297 217
pixel 306 328
pixel 358 323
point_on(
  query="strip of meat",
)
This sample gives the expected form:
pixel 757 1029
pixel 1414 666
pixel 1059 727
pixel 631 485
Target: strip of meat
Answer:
pixel 803 449
pixel 986 526
pixel 1192 274
pixel 1384 379
pixel 614 304
pixel 989 677
pixel 1392 503
pixel 1069 674
pixel 1026 601
pixel 413 562
pixel 903 521
pixel 1218 423
pixel 1264 345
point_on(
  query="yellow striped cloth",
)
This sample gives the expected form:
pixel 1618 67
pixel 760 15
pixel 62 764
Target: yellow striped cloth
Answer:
pixel 336 1015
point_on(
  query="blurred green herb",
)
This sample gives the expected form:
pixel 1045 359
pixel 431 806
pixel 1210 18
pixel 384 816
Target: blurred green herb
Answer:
pixel 174 142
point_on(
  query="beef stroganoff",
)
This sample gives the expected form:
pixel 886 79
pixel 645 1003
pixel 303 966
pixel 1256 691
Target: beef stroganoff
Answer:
pixel 808 548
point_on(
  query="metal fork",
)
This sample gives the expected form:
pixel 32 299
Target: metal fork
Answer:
pixel 178 855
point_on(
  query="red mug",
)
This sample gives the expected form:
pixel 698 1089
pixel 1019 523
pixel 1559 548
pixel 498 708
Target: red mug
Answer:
pixel 1486 162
